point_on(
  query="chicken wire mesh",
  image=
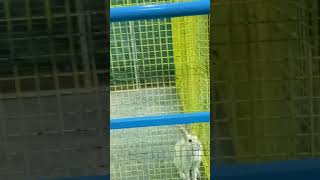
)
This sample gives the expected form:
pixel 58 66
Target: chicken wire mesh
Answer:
pixel 267 89
pixel 52 102
pixel 158 67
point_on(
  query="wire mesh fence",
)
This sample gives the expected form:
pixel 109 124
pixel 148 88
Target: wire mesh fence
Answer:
pixel 158 67
pixel 148 153
pixel 52 69
pixel 267 100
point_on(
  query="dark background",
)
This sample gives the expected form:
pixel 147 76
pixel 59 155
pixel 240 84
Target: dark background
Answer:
pixel 53 96
pixel 265 81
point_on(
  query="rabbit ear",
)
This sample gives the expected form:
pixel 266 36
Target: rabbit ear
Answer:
pixel 184 131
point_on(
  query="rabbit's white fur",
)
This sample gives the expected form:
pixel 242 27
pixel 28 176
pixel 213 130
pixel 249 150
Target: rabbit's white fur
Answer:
pixel 188 154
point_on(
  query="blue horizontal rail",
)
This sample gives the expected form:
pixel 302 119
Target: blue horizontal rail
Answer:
pixel 163 120
pixel 167 10
pixel 291 169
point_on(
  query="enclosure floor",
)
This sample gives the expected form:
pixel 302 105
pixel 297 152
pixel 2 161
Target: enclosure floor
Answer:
pixel 144 153
pixel 142 102
pixel 31 142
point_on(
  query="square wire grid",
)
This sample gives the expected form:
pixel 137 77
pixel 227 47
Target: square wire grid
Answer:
pixel 51 88
pixel 144 73
pixel 147 153
pixel 142 68
pixel 267 80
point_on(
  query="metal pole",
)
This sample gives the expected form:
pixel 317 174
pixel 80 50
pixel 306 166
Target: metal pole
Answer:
pixel 162 120
pixel 160 11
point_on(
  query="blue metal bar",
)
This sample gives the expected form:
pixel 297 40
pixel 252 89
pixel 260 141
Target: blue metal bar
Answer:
pixel 164 120
pixel 292 169
pixel 130 13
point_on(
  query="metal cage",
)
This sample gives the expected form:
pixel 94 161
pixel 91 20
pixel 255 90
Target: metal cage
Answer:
pixel 52 96
pixel 266 90
pixel 159 80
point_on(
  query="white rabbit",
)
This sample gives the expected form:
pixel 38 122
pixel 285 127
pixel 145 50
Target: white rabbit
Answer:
pixel 188 155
